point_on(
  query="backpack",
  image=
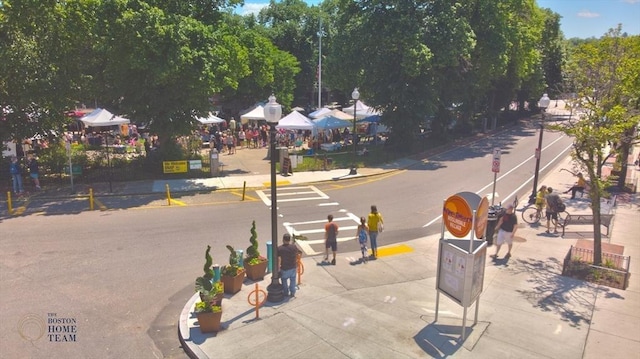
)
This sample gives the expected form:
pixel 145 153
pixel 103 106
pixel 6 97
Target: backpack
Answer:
pixel 560 207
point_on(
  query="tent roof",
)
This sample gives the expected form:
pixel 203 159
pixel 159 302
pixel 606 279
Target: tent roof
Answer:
pixel 320 112
pixel 256 114
pixel 338 114
pixel 296 121
pixel 211 119
pixel 362 110
pixel 101 118
pixel 330 122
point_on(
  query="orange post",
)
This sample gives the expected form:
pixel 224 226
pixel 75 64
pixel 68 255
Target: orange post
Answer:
pixel 256 299
pixel 300 268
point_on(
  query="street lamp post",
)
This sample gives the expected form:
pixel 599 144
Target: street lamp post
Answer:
pixel 543 103
pixel 355 95
pixel 272 113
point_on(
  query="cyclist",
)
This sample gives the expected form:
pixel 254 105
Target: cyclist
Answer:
pixel 542 193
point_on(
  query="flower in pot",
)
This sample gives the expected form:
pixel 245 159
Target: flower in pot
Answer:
pixel 209 316
pixel 232 274
pixel 255 264
pixel 209 290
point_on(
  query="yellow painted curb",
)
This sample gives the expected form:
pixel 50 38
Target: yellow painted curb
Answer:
pixel 278 183
pixel 179 203
pixel 100 204
pixel 393 250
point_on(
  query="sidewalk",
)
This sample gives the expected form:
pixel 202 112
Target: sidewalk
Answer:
pixel 386 308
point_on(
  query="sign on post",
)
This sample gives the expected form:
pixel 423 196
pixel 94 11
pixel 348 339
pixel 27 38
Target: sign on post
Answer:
pixel 495 163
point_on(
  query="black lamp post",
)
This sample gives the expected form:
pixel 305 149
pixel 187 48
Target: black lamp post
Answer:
pixel 543 103
pixel 273 113
pixel 355 95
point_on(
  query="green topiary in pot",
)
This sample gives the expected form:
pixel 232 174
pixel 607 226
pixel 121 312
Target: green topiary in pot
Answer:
pixel 204 285
pixel 232 269
pixel 253 256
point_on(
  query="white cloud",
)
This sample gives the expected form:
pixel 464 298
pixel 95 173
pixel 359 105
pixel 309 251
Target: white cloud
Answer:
pixel 588 14
pixel 251 8
pixel 631 1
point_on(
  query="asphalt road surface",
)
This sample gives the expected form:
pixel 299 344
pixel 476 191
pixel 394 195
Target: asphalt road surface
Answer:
pixel 111 284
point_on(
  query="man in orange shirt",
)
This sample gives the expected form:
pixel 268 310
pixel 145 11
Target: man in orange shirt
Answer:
pixel 331 239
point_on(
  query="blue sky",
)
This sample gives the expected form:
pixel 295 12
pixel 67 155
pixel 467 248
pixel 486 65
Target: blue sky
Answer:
pixel 580 18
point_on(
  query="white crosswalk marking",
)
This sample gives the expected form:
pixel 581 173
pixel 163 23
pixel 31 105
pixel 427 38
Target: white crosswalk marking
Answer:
pixel 314 231
pixel 292 194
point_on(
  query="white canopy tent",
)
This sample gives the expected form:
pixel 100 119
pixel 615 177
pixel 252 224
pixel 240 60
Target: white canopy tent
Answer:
pixel 101 118
pixel 210 120
pixel 296 121
pixel 362 110
pixel 338 114
pixel 255 115
pixel 320 112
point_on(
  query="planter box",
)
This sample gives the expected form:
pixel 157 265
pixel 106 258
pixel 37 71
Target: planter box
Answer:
pixel 578 264
pixel 209 322
pixel 233 285
pixel 256 271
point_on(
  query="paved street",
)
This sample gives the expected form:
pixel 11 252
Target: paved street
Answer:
pixel 125 280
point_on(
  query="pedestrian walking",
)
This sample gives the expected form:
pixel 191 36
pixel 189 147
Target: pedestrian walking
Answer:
pixel 32 163
pixel 507 227
pixel 16 175
pixel 288 264
pixel 376 225
pixel 361 234
pixel 330 239
pixel 552 201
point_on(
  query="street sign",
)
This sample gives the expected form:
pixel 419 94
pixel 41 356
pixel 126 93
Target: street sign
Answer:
pixel 495 164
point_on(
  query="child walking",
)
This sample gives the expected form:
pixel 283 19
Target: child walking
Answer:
pixel 362 238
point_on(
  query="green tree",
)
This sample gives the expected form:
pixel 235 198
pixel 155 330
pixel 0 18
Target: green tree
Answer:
pixel 270 70
pixel 39 80
pixel 292 27
pixel 606 75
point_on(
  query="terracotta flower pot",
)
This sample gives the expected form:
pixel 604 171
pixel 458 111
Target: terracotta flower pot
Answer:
pixel 256 271
pixel 209 321
pixel 233 285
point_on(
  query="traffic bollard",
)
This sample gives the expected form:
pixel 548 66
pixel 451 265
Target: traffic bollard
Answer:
pixel 269 256
pixel 244 189
pixel 9 205
pixel 168 194
pixel 257 302
pixel 91 199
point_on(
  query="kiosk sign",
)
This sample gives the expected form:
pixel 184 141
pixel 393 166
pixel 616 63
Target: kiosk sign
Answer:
pixel 457 216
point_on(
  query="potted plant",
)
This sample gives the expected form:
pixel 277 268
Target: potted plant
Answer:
pixel 209 316
pixel 232 274
pixel 254 263
pixel 210 291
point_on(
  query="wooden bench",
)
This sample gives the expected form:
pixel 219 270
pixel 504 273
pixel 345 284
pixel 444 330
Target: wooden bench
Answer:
pixel 605 220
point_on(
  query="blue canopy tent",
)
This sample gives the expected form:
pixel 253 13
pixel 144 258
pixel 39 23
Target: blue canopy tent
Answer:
pixel 330 122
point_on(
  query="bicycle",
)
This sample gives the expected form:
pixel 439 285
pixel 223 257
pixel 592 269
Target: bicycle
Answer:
pixel 531 214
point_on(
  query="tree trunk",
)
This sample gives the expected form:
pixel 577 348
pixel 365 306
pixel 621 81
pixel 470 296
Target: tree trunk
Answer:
pixel 597 235
pixel 624 155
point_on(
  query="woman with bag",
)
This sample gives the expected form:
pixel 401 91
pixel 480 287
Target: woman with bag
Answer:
pixel 376 225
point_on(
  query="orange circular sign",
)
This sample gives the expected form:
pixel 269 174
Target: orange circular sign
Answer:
pixel 457 216
pixel 482 215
